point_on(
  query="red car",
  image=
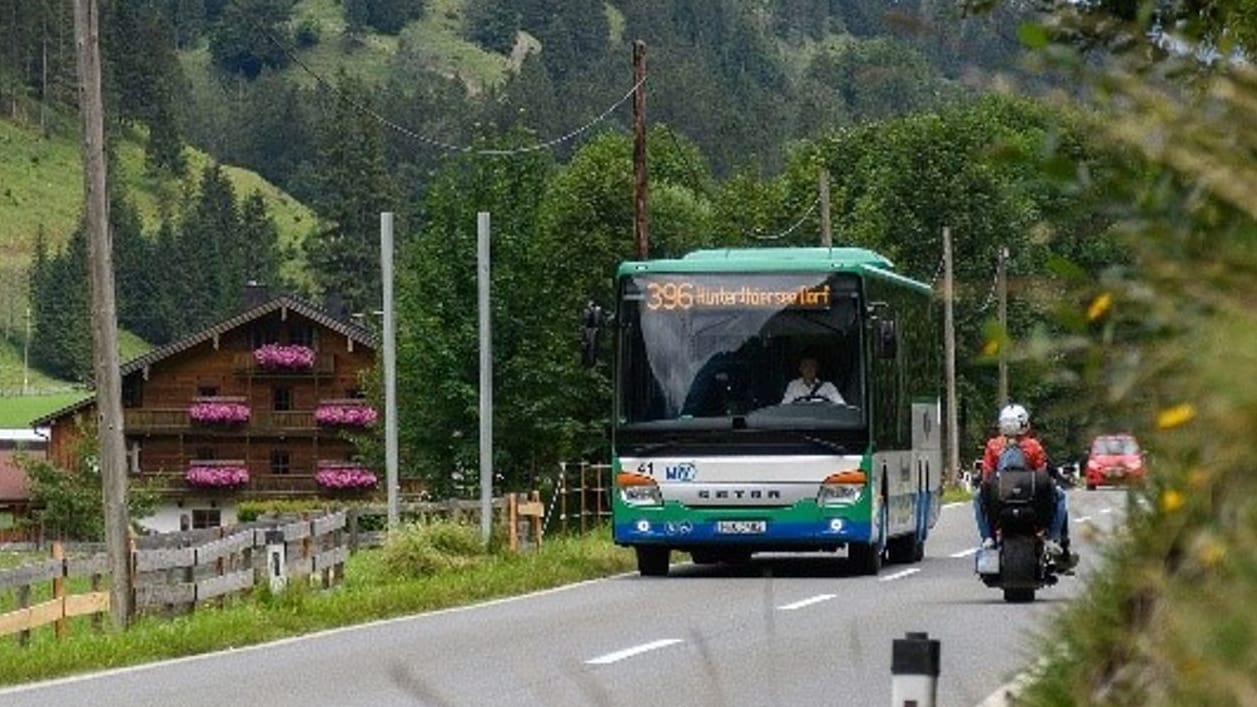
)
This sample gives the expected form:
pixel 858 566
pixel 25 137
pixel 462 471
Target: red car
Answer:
pixel 1114 459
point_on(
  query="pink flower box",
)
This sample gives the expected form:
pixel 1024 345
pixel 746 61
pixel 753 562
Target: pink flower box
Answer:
pixel 216 476
pixel 284 357
pixel 210 410
pixel 347 414
pixel 344 476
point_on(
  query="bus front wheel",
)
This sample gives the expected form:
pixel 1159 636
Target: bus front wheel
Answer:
pixel 652 561
pixel 865 558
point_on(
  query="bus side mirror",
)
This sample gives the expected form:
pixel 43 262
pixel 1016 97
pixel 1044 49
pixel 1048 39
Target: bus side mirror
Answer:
pixel 887 344
pixel 591 331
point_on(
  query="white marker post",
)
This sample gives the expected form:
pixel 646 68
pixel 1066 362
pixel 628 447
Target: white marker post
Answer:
pixel 914 667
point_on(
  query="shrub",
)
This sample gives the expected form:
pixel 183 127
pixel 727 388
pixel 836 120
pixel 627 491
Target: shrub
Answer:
pixel 423 549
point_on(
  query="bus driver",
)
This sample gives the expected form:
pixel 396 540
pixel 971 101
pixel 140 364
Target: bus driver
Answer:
pixel 808 388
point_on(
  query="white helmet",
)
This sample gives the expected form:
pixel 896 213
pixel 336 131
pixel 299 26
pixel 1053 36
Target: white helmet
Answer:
pixel 1014 420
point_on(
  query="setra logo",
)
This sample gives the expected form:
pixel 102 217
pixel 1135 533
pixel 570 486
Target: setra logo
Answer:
pixel 682 471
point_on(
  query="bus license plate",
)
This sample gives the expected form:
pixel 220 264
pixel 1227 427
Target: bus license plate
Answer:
pixel 741 527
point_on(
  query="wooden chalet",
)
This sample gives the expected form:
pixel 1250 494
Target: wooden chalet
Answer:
pixel 252 407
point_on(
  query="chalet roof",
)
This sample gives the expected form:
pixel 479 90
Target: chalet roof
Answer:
pixel 359 335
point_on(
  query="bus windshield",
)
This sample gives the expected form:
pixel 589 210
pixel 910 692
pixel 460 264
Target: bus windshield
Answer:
pixel 720 351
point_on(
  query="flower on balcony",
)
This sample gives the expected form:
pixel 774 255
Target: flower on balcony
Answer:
pixel 347 413
pixel 218 410
pixel 281 357
pixel 224 476
pixel 344 476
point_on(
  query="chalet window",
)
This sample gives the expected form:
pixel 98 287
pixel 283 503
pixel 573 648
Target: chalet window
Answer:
pixel 207 391
pixel 282 399
pixel 132 392
pixel 263 333
pixel 354 392
pixel 7 520
pixel 300 333
pixel 206 518
pixel 204 452
pixel 280 461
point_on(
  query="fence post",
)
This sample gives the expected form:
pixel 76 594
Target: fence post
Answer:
pixel 562 491
pixel 537 527
pixel 58 589
pixel 351 518
pixel 584 467
pixel 914 670
pixel 276 562
pixel 512 522
pixel 220 569
pixel 24 602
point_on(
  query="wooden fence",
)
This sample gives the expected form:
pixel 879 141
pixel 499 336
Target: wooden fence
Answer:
pixel 581 498
pixel 61 606
pixel 176 572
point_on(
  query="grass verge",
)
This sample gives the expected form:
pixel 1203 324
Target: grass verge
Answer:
pixel 368 593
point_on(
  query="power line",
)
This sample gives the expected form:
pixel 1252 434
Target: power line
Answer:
pixel 815 202
pixel 432 142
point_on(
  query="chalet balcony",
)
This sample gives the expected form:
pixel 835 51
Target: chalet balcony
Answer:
pixel 175 484
pixel 246 364
pixel 177 420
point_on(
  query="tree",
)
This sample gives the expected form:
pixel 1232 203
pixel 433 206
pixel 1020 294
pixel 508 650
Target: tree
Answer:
pixel 354 187
pixel 251 35
pixel 67 501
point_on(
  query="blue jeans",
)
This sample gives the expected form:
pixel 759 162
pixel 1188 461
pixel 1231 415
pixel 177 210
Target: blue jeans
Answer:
pixel 1056 527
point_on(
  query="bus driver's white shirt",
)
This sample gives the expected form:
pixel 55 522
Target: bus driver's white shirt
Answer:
pixel 800 390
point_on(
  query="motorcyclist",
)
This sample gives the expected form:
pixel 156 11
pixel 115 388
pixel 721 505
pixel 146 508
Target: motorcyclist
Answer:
pixel 1014 428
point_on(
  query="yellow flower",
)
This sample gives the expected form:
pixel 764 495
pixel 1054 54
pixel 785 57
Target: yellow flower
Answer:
pixel 1210 553
pixel 1099 306
pixel 1198 477
pixel 1175 416
pixel 1171 501
pixel 991 347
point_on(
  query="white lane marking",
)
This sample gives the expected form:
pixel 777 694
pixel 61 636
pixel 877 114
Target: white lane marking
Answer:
pixel 630 652
pixel 807 602
pixel 964 553
pixel 899 575
pixel 955 504
pixel 1083 519
pixel 1106 510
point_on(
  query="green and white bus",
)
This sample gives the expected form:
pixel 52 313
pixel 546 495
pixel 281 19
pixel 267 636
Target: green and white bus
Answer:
pixel 710 459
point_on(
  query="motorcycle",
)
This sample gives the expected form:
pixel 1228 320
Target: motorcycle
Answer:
pixel 1019 504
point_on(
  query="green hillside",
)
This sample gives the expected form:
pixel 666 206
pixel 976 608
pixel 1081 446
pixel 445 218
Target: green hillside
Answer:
pixel 41 185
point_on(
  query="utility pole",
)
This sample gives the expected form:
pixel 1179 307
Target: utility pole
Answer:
pixel 486 376
pixel 641 219
pixel 390 370
pixel 26 354
pixel 1001 287
pixel 113 470
pixel 949 363
pixel 827 235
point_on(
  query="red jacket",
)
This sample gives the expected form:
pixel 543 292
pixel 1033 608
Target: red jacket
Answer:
pixel 1035 456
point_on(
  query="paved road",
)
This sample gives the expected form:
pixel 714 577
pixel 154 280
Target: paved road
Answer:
pixel 786 631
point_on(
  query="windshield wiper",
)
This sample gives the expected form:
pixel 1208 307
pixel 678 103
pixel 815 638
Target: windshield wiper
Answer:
pixel 832 446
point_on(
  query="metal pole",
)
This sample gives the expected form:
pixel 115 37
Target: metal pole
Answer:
pixel 949 355
pixel 390 370
pixel 827 235
pixel 1001 278
pixel 486 376
pixel 113 470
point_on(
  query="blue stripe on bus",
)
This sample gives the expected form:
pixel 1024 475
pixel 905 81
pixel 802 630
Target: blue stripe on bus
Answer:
pixel 688 532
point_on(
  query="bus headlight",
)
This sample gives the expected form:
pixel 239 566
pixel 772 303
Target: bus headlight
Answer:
pixel 638 490
pixel 841 489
